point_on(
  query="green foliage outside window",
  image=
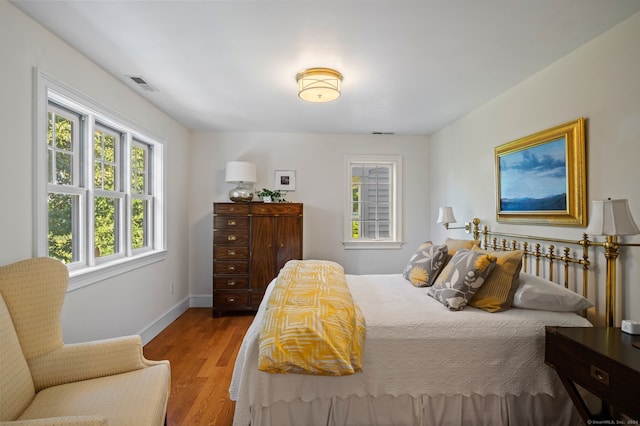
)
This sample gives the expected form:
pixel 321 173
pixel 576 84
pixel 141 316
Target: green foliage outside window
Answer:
pixel 60 206
pixel 60 232
pixel 355 197
pixel 63 209
pixel 138 224
pixel 139 208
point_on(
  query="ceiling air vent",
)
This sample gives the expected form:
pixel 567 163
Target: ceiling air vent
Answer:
pixel 383 133
pixel 142 83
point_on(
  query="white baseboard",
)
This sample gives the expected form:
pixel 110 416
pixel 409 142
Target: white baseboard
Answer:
pixel 201 301
pixel 152 330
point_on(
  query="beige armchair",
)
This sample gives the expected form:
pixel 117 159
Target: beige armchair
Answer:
pixel 46 382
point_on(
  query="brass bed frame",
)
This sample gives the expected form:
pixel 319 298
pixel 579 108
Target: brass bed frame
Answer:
pixel 563 253
pixel 564 257
pixel 534 254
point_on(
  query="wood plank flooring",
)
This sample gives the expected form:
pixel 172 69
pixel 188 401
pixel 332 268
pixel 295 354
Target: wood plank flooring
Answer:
pixel 202 351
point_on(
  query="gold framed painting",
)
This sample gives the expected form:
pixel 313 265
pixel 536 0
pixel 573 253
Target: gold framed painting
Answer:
pixel 541 179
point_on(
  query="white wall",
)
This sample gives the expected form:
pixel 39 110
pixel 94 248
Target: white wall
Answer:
pixel 319 164
pixel 130 303
pixel 599 81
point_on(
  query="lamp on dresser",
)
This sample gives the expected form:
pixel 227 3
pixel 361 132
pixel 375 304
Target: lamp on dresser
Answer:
pixel 243 174
pixel 611 218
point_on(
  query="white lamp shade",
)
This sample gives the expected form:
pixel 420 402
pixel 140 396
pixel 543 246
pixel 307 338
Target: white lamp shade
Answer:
pixel 611 217
pixel 240 171
pixel 445 215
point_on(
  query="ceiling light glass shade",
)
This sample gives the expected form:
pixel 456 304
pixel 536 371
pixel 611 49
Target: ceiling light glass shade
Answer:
pixel 319 84
pixel 445 215
pixel 611 217
pixel 244 174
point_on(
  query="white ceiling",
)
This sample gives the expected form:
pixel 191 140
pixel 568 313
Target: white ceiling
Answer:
pixel 410 67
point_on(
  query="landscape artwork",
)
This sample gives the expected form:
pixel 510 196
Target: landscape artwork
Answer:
pixel 541 178
pixel 535 179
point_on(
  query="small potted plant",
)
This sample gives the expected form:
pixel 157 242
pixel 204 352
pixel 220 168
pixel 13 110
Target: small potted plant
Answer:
pixel 269 196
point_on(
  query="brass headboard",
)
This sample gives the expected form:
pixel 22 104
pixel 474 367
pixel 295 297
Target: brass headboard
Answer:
pixel 559 252
pixel 562 257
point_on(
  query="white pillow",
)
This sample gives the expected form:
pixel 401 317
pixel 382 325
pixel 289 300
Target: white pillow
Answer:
pixel 538 293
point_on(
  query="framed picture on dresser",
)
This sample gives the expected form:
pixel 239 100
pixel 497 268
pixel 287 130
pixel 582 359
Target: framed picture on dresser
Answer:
pixel 285 180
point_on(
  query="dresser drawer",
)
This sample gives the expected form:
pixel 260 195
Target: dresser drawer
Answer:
pixel 231 236
pixel 231 222
pixel 231 208
pixel 231 267
pixel 230 252
pixel 576 363
pixel 276 209
pixel 231 283
pixel 231 300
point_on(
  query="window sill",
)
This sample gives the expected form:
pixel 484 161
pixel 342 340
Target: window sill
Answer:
pixel 372 245
pixel 86 276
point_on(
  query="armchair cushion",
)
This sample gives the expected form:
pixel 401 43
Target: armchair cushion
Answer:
pixel 134 398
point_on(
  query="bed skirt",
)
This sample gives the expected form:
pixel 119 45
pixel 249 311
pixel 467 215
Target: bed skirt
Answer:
pixel 456 410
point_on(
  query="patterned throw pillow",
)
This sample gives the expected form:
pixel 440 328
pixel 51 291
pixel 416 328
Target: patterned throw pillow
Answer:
pixel 461 278
pixel 454 245
pixel 496 294
pixel 425 264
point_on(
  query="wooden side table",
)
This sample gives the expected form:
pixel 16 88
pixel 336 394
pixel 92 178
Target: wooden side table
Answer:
pixel 603 361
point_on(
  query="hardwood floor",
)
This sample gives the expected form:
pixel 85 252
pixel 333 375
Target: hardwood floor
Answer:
pixel 202 351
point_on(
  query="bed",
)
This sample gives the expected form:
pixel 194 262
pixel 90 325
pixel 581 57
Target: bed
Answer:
pixel 422 364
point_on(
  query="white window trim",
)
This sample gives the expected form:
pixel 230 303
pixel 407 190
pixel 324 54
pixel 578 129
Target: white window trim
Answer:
pixel 45 88
pixel 396 241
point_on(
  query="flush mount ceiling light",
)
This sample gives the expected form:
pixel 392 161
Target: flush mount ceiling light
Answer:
pixel 319 84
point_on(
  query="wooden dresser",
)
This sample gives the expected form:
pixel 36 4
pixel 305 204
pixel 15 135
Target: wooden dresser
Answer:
pixel 251 243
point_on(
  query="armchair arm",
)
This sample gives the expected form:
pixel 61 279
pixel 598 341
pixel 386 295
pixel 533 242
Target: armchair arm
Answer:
pixel 82 361
pixel 60 421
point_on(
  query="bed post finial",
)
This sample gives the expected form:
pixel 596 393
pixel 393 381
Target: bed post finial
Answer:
pixel 476 228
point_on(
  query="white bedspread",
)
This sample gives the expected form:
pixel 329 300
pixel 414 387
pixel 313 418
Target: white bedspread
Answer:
pixel 415 346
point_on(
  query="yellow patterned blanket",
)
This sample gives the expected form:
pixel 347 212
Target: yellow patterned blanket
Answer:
pixel 312 324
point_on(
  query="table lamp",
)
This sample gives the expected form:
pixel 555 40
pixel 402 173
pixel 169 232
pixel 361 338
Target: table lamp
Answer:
pixel 244 174
pixel 611 218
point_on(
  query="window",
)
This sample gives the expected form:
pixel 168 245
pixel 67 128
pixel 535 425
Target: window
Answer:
pixel 99 187
pixel 372 209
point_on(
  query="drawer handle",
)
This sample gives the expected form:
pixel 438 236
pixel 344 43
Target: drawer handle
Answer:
pixel 231 267
pixel 600 375
pixel 231 252
pixel 231 299
pixel 231 283
pixel 231 238
pixel 231 222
